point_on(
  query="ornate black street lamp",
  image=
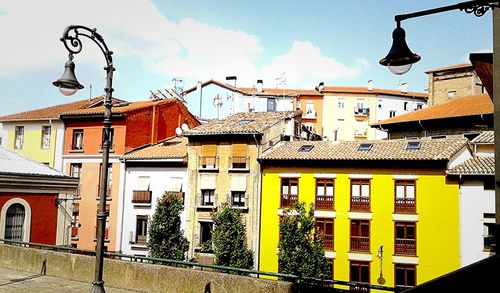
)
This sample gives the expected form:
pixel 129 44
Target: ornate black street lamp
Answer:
pixel 68 85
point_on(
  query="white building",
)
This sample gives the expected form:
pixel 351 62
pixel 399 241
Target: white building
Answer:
pixel 148 173
pixel 477 200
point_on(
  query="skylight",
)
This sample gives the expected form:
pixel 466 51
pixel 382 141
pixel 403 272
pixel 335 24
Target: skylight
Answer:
pixel 413 145
pixel 364 147
pixel 245 121
pixel 306 148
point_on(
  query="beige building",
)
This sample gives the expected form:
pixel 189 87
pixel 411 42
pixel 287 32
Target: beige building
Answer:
pixel 453 82
pixel 223 168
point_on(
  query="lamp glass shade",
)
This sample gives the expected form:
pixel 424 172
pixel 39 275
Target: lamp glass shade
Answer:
pixel 68 84
pixel 399 56
pixel 399 69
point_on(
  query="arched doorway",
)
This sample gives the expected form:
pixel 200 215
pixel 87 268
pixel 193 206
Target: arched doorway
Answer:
pixel 14 222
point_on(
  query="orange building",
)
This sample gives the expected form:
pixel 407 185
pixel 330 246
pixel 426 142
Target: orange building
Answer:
pixel 134 124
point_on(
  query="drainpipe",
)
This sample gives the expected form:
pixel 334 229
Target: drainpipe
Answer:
pixel 258 204
pixel 120 220
pixel 423 128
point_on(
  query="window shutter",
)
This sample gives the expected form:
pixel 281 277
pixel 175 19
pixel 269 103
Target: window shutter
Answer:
pixel 209 150
pixel 239 150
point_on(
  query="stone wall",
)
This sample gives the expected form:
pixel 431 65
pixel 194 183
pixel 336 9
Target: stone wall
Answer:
pixel 131 275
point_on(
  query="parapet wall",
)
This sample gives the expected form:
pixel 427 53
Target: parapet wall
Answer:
pixel 131 275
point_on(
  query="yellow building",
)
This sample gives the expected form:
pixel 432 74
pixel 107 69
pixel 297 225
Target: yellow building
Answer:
pixel 223 168
pixel 370 196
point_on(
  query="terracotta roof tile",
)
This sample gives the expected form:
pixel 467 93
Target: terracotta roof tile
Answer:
pixel 375 91
pixel 430 149
pixel 52 112
pixel 117 108
pixel 485 137
pixel 242 123
pixel 172 148
pixel 464 106
pixel 475 166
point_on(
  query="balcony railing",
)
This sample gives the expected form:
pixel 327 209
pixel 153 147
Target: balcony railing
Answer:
pixel 141 240
pixel 360 243
pixel 289 200
pixel 141 196
pixel 324 202
pixel 405 246
pixel 328 242
pixel 404 205
pixel 360 203
pixel 209 163
pixel 239 163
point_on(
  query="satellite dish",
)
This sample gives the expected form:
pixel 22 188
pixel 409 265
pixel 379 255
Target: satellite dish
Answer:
pixel 178 131
pixel 184 127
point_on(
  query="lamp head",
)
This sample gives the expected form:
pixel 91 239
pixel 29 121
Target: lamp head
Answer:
pixel 400 57
pixel 68 84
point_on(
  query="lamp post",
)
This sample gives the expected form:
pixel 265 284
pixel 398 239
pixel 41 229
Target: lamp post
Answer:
pixel 400 55
pixel 68 85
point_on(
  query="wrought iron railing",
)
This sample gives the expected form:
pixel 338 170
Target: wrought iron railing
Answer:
pixel 405 246
pixel 360 243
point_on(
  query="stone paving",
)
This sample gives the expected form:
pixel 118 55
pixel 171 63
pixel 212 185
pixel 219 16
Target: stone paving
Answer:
pixel 13 281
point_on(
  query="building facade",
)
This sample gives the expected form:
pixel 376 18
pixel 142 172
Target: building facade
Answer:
pixel 369 196
pixel 134 124
pixel 148 173
pixel 223 168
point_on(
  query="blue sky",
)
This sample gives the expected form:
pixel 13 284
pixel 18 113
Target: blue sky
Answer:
pixel 306 42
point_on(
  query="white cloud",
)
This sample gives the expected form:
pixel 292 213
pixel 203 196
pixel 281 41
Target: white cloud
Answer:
pixel 136 29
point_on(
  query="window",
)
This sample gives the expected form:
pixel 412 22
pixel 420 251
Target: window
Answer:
pixel 111 138
pixel 405 106
pixel 298 105
pixel 364 147
pixel 360 194
pixel 141 230
pixel 404 196
pixel 142 194
pixel 19 137
pixel 405 276
pixel 360 235
pixel 208 197
pixel 324 194
pixel 488 230
pixel 237 198
pixel 45 137
pixel 310 111
pixel 271 104
pixel 75 223
pixel 110 180
pixel 419 106
pixel 392 113
pixel 208 158
pixel 405 243
pixel 306 148
pixel 289 192
pixel 77 143
pixel 206 235
pixel 239 156
pixel 14 222
pixel 76 170
pixel 341 105
pixel 413 145
pixel 359 272
pixel 324 227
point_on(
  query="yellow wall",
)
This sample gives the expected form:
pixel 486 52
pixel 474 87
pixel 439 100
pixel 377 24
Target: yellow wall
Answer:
pixel 437 225
pixel 32 146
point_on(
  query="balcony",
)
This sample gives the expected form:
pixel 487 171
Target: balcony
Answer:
pixel 361 112
pixel 360 243
pixel 289 200
pixel 238 164
pixel 404 246
pixel 324 202
pixel 210 163
pixel 141 196
pixel 404 205
pixel 360 203
pixel 328 242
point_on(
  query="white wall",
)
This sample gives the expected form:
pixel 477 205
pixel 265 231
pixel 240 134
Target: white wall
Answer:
pixel 474 202
pixel 159 180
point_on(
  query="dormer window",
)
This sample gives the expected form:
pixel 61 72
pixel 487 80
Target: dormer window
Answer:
pixel 364 147
pixel 413 145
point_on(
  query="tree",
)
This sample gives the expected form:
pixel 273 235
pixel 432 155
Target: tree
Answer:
pixel 229 239
pixel 301 250
pixel 166 239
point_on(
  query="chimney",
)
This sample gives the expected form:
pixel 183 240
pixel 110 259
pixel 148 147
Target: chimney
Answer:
pixel 370 85
pixel 259 86
pixel 320 87
pixel 404 87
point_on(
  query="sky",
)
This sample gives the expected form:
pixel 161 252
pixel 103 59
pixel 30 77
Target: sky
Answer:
pixel 290 44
